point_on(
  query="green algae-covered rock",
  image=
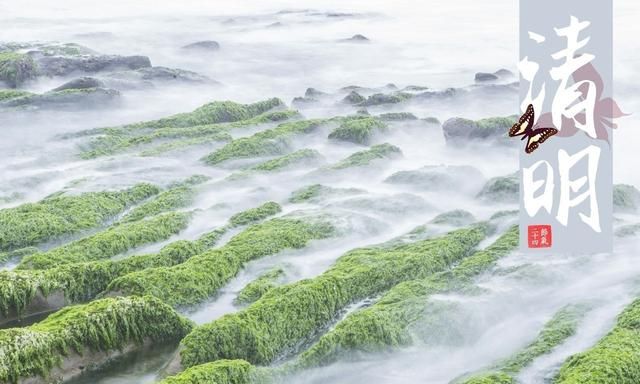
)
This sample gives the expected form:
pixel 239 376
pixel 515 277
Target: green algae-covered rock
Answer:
pixel 103 325
pixel 504 189
pixel 33 223
pixel 16 68
pixel 359 131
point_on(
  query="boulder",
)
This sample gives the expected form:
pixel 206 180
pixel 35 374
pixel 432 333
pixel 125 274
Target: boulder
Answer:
pixel 68 98
pixel 16 68
pixel 81 83
pixel 63 66
pixel 459 131
pixel 504 189
pixel 204 46
pixel 440 178
pixel 354 98
pixel 356 39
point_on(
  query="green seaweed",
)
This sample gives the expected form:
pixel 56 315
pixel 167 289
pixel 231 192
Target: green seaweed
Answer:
pixel 381 98
pixel 313 192
pixel 362 158
pixel 289 315
pixel 258 287
pixel 82 281
pixel 16 68
pixel 201 276
pixel 8 94
pixel 103 325
pixel 119 139
pixel 211 113
pixel 501 189
pixel 388 322
pixel 303 156
pixel 221 372
pixel 33 223
pixel 359 130
pixel 271 142
pixel 253 215
pixel 110 242
pixel 561 326
pixel 615 359
pixel 178 196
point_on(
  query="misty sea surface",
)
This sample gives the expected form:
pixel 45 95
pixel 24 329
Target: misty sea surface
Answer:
pixel 279 49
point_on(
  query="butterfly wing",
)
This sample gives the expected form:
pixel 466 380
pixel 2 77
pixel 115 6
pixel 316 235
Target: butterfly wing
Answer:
pixel 524 124
pixel 538 137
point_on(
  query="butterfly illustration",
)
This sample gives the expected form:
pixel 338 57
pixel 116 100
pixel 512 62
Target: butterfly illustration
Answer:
pixel 524 127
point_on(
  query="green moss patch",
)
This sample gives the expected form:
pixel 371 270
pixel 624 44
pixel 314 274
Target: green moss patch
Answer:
pixel 221 372
pixel 615 359
pixel 287 316
pixel 103 325
pixel 366 157
pixel 258 287
pixel 215 112
pixel 16 68
pixel 381 98
pixel 179 195
pixel 120 139
pixel 110 242
pixel 358 130
pixel 303 156
pixel 201 276
pixel 8 94
pixel 315 192
pixel 504 189
pixel 271 142
pixel 48 219
pixel 253 215
pixel 83 281
pixel 388 322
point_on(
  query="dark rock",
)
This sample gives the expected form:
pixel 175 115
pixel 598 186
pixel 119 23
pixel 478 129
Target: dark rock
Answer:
pixel 356 39
pixel 431 120
pixel 441 95
pixel 397 116
pixel 312 92
pixel 63 66
pixel 504 73
pixel 302 101
pixel 626 198
pixel 483 76
pixel 414 88
pixel 151 75
pixel 500 74
pixel 350 88
pixel 68 98
pixel 207 45
pixel 354 98
pixel 81 83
